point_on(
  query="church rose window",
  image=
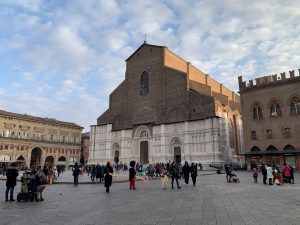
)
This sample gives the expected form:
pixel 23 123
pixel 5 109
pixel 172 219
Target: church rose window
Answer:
pixel 144 84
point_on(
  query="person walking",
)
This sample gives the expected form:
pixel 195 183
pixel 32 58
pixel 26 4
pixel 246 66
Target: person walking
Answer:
pixel 11 181
pixel 264 173
pixel 194 173
pixel 93 173
pixel 76 172
pixel 174 171
pixel 255 175
pixel 108 172
pixel 132 173
pixel 186 172
pixel 292 179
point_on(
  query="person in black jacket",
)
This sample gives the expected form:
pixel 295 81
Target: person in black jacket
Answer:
pixel 76 172
pixel 186 172
pixel 174 171
pixel 132 173
pixel 11 175
pixel 194 173
pixel 108 172
pixel 264 173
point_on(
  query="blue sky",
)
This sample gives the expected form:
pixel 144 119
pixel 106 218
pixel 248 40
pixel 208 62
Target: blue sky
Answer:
pixel 62 59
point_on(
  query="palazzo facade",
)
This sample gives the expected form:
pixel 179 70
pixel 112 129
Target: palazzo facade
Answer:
pixel 271 119
pixel 30 140
pixel 167 110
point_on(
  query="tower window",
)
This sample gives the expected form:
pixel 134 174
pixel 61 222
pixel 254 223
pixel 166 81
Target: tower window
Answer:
pixel 144 83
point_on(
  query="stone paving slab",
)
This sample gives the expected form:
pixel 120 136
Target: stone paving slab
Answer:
pixel 212 201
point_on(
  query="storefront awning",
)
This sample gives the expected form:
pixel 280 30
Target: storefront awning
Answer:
pixel 258 153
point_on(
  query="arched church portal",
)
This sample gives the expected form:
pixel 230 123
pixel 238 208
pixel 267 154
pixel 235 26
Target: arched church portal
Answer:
pixel 36 155
pixel 144 153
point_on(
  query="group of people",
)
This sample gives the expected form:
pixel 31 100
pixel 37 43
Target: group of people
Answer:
pixel 275 175
pixel 38 179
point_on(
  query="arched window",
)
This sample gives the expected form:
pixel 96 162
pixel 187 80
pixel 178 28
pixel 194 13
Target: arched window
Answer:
pixel 272 148
pixel 257 111
pixel 144 83
pixel 275 109
pixel 295 105
pixel 255 149
pixel 286 132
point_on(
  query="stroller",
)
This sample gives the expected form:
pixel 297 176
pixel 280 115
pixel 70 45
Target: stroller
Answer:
pixel 234 177
pixel 27 188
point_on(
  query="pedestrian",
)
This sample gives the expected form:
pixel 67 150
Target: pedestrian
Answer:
pixel 264 173
pixel 11 181
pixel 76 172
pixel 255 175
pixel 39 184
pixel 292 174
pixel 164 180
pixel 93 173
pixel 270 174
pixel 132 173
pixel 174 171
pixel 194 173
pixel 287 173
pixel 186 172
pixel 108 172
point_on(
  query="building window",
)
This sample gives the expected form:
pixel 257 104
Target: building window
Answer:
pixel 295 105
pixel 269 134
pixel 253 135
pixel 286 132
pixel 144 83
pixel 257 112
pixel 63 138
pixel 275 110
pixel 51 137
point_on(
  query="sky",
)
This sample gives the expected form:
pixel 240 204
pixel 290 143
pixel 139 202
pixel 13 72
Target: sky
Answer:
pixel 61 59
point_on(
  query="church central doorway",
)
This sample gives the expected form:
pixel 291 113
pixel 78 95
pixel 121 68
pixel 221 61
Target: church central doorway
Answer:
pixel 36 155
pixel 116 158
pixel 144 156
pixel 177 154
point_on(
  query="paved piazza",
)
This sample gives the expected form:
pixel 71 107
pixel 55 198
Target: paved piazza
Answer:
pixel 212 201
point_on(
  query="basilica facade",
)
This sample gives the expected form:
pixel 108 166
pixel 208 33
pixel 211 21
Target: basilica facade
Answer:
pixel 167 110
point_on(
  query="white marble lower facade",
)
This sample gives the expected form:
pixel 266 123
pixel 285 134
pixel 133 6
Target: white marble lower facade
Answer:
pixel 205 141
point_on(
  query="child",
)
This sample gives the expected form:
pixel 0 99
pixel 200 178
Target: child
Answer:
pixel 164 180
pixel 255 175
pixel 132 174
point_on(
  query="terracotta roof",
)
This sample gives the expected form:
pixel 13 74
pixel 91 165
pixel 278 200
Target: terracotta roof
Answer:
pixel 38 119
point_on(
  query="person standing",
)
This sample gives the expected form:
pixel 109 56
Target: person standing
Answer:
pixel 11 181
pixel 132 173
pixel 264 173
pixel 255 175
pixel 186 172
pixel 194 173
pixel 108 172
pixel 270 174
pixel 93 173
pixel 76 172
pixel 292 174
pixel 174 171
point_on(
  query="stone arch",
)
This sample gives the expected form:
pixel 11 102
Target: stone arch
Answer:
pixel 257 110
pixel 36 155
pixel 49 160
pixel 294 104
pixel 5 158
pixel 21 158
pixel 289 148
pixel 176 149
pixel 116 152
pixel 272 148
pixel 62 160
pixel 142 132
pixel 272 100
pixel 255 149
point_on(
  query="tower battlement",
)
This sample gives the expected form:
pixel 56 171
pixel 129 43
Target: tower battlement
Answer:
pixel 269 80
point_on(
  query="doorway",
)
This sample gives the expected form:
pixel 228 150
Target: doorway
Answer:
pixel 177 154
pixel 117 155
pixel 144 155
